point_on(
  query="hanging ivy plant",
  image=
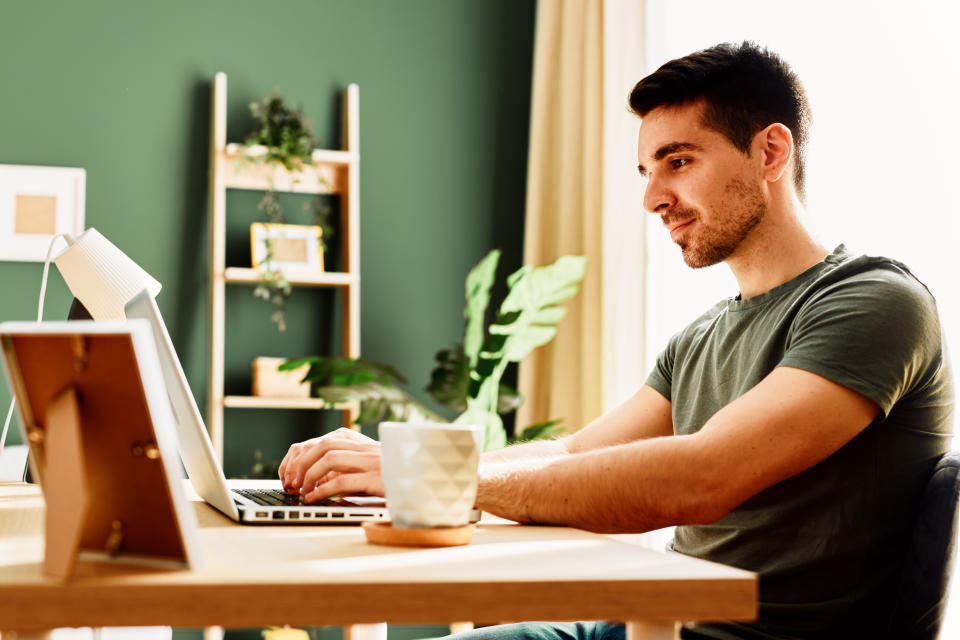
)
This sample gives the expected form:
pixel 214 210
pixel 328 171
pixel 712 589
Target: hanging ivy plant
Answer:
pixel 288 138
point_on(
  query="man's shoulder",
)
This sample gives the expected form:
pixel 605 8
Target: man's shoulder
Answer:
pixel 872 280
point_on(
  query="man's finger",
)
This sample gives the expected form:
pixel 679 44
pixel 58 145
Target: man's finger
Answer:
pixel 345 462
pixel 347 484
pixel 333 442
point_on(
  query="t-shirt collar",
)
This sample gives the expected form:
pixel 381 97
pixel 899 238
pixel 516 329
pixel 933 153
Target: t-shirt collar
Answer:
pixel 837 256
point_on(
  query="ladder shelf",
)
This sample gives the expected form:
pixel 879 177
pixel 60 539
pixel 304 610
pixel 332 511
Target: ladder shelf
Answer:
pixel 236 166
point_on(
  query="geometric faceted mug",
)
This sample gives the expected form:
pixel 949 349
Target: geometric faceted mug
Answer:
pixel 429 472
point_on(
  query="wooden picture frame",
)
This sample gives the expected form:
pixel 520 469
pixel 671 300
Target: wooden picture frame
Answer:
pixel 37 203
pixel 96 416
pixel 294 247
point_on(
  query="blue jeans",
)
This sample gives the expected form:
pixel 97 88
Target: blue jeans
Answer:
pixel 558 631
pixel 546 631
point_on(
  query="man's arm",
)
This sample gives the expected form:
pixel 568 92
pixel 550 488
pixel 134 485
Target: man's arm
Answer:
pixel 344 461
pixel 790 421
pixel 646 414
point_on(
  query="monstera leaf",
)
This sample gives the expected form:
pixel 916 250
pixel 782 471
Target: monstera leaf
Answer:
pixel 529 316
pixel 527 319
pixel 479 282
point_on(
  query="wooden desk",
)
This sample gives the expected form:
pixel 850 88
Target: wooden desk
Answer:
pixel 314 575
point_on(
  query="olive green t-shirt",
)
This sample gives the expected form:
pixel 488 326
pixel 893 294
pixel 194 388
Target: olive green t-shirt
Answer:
pixel 828 543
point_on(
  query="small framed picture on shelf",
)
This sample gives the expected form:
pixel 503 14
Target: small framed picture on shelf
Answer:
pixel 36 204
pixel 286 247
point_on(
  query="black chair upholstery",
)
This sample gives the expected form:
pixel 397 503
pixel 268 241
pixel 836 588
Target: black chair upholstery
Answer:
pixel 920 605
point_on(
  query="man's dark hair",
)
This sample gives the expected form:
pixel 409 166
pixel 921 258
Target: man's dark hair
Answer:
pixel 744 87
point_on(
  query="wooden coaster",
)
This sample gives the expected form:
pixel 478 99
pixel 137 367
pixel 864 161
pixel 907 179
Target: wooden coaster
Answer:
pixel 385 533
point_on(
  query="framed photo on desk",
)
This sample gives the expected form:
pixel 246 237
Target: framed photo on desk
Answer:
pixel 98 422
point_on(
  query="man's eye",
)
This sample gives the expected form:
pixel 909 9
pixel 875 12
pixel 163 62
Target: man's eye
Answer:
pixel 679 162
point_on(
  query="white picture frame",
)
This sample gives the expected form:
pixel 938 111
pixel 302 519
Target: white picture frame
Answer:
pixel 295 247
pixel 36 204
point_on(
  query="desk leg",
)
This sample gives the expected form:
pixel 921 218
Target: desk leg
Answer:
pixel 376 631
pixel 213 633
pixel 653 630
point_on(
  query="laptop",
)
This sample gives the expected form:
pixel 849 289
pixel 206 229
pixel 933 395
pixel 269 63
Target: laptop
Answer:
pixel 245 501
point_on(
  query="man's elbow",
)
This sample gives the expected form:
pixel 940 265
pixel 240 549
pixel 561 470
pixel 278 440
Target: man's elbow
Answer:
pixel 708 499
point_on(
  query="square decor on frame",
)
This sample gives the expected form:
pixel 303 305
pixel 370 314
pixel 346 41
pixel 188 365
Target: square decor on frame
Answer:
pixel 37 203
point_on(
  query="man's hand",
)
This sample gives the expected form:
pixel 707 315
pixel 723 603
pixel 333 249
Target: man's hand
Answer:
pixel 341 462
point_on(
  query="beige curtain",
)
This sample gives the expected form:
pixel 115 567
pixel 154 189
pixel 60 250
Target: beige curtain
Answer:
pixel 582 199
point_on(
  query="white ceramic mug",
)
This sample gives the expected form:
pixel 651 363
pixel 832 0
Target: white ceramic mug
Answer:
pixel 430 472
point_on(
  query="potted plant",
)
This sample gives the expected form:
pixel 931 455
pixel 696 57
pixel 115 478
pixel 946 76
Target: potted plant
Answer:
pixel 467 378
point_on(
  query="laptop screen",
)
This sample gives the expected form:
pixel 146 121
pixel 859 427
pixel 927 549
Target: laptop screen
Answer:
pixel 196 450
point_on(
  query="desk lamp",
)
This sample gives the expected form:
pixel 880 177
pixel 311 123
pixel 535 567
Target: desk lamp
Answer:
pixel 102 279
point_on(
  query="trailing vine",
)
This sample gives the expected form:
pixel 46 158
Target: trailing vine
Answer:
pixel 288 138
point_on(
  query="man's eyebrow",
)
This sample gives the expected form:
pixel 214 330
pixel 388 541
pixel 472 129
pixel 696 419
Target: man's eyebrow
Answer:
pixel 667 149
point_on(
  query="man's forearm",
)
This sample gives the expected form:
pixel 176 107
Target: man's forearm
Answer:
pixel 627 488
pixel 533 450
pixel 501 467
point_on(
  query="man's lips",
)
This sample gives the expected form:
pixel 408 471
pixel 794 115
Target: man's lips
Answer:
pixel 677 229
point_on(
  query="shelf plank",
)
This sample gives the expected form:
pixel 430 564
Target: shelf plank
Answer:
pixel 297 278
pixel 319 156
pixel 325 175
pixel 265 402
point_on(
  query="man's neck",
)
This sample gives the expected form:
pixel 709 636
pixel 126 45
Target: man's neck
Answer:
pixel 776 251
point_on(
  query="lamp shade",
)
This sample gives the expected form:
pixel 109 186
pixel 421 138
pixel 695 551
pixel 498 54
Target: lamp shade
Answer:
pixel 102 277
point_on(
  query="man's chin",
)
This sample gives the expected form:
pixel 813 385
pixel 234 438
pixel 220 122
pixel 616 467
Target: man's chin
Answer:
pixel 698 259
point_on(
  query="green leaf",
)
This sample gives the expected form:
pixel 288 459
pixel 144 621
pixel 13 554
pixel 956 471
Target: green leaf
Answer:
pixel 539 431
pixel 531 338
pixel 533 293
pixel 343 371
pixel 379 401
pixel 534 288
pixel 494 435
pixel 290 365
pixel 508 399
pixel 526 320
pixel 478 285
pixel 449 379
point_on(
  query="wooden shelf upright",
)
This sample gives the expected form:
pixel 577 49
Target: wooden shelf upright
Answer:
pixel 332 172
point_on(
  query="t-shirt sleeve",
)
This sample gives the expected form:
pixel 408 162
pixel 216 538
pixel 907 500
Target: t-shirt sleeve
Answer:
pixel 877 333
pixel 661 377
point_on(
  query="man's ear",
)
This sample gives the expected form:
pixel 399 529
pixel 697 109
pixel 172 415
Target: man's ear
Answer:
pixel 775 144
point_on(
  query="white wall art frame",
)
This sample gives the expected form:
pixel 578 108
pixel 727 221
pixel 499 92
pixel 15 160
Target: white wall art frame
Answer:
pixel 295 247
pixel 37 203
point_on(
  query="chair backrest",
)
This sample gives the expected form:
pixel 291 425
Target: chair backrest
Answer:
pixel 919 609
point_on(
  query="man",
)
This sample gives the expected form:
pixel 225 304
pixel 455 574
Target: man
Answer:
pixel 788 430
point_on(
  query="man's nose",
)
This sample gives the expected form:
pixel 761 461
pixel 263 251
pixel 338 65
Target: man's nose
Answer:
pixel 657 198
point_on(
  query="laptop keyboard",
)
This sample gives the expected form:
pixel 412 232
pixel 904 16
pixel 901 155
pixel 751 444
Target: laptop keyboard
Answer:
pixel 270 497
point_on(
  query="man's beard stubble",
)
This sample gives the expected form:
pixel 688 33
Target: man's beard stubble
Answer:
pixel 745 207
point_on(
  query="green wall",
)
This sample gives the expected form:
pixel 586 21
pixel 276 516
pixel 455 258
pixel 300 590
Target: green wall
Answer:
pixel 122 89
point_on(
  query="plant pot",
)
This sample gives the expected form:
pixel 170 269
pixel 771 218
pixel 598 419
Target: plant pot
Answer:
pixel 269 382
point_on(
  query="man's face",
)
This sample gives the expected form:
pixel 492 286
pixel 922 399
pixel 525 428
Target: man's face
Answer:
pixel 706 191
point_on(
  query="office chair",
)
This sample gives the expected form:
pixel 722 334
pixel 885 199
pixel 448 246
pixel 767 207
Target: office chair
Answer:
pixel 922 596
